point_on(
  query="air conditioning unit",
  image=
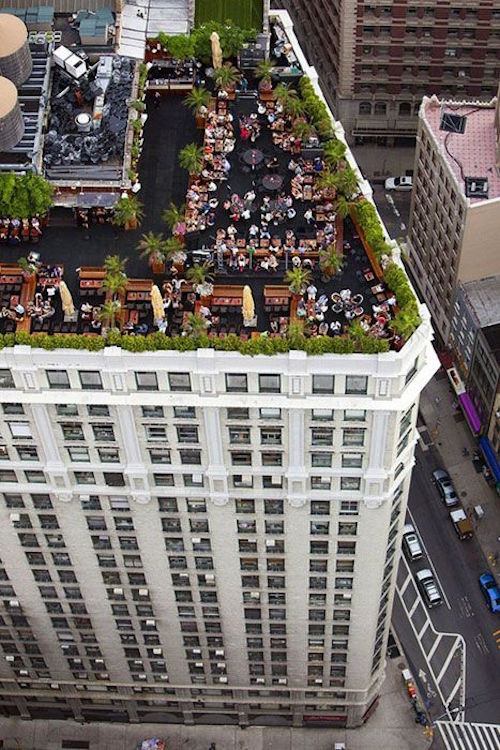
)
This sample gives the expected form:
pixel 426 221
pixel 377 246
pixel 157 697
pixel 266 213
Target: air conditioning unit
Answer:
pixel 318 681
pixel 143 592
pixel 221 665
pixel 118 591
pixel 209 577
pixel 196 650
pixel 462 74
pixel 99 661
pixel 219 652
pixel 158 651
pixel 184 575
pixel 84 498
pixel 270 543
pixel 282 681
pixel 151 623
pixel 260 681
pixel 14 603
pixel 164 677
pixel 223 679
pixel 198 664
pixel 276 481
pixel 254 595
pixel 9 658
pixel 196 540
pixel 197 478
pixel 54 685
pixel 15 517
pixel 77 661
pixel 141 676
pixel 138 662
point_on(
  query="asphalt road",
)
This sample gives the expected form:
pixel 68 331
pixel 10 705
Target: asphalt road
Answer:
pixel 458 565
pixel 394 209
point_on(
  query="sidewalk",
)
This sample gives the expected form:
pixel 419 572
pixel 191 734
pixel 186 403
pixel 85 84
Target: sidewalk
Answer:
pixel 391 727
pixel 449 431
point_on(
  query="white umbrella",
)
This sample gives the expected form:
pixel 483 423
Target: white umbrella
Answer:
pixel 66 299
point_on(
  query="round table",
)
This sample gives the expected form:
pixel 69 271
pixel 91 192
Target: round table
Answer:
pixel 272 182
pixel 253 157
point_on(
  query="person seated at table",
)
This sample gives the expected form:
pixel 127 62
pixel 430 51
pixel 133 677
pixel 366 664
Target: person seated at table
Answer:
pixel 308 215
pixel 273 163
pixel 294 166
pixel 322 303
pixel 312 292
pixel 242 262
pixel 291 213
pixel 264 231
pixel 335 326
pixel 274 326
pixel 323 328
pixel 246 214
pixel 296 261
pixel 96 323
pixel 264 263
pixel 205 311
pixel 301 311
pixel 234 213
pixel 308 263
pixel 302 247
pixel 273 263
pixel 391 300
pixel 253 231
pixel 318 165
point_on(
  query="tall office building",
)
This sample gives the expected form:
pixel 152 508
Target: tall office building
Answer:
pixel 202 535
pixel 455 208
pixel 376 60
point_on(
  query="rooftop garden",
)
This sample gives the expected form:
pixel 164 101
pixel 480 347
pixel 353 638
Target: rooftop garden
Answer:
pixel 272 250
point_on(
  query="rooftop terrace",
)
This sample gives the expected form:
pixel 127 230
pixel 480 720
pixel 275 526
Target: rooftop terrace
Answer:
pixel 264 217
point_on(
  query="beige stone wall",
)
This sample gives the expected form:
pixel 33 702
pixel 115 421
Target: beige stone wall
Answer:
pixel 480 255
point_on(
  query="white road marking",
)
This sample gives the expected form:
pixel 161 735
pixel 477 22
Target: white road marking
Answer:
pixel 413 607
pixel 447 661
pixel 443 592
pixel 454 690
pixel 422 631
pixel 465 607
pixel 403 226
pixel 405 583
pixel 434 646
pixel 481 644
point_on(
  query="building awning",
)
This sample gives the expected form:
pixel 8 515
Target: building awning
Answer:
pixel 470 412
pixel 491 457
pixel 96 200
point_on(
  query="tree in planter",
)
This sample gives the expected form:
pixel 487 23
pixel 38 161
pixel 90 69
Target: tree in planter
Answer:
pixel 333 152
pixel 28 269
pixel 232 38
pixel 263 74
pixel 298 279
pixel 128 212
pixel 137 105
pixel 201 277
pixel 289 100
pixel 114 265
pixel 406 321
pixel 329 262
pixel 295 334
pixel 180 46
pixel 303 129
pixel 175 251
pixel 174 216
pixel 343 206
pixel 326 180
pixel 191 158
pixel 24 195
pixel 152 247
pixel 109 312
pixel 195 324
pixel 198 100
pixel 226 77
pixel 115 284
pixel 347 182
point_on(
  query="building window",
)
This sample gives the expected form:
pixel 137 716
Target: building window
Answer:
pixel 320 483
pixel 350 483
pixel 103 432
pixel 20 429
pixel 356 384
pixel 239 435
pixel 37 477
pixel 269 383
pixel 269 412
pixel 98 410
pixel 90 380
pixel 321 460
pixel 270 436
pixel 58 379
pixel 187 434
pixel 320 508
pixel 159 455
pixel 380 108
pixel 245 506
pixel 109 455
pixel 184 412
pixel 6 379
pixel 354 415
pixel 7 476
pixel 84 477
pixel 353 436
pixel 241 458
pixel 27 452
pixel 72 431
pixel 146 381
pixel 163 480
pixel 242 480
pixel 411 372
pixel 349 508
pixel 348 528
pixel 189 456
pixel 155 432
pixel 272 459
pixel 323 384
pixel 321 435
pixel 66 410
pixel 79 454
pixel 322 415
pixel 365 108
pixel 236 383
pixel 352 460
pixel 152 412
pixel 179 381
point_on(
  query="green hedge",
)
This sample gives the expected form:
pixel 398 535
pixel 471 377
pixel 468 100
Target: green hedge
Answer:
pixel 23 196
pixel 159 342
pixel 316 110
pixel 369 222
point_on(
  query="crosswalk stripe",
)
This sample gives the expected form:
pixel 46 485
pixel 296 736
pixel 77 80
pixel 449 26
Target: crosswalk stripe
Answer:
pixel 469 736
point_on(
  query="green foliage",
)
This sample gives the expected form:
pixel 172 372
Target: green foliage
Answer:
pixel 264 69
pixel 334 151
pixel 226 76
pixel 367 218
pixel 173 215
pixel 245 13
pixel 114 265
pixel 180 46
pixel 316 109
pixel 232 38
pixel 152 247
pixel 407 319
pixel 197 98
pixel 24 196
pixel 138 105
pixel 191 158
pixel 346 182
pixel 289 99
pixel 329 261
pixel 298 279
pixel 200 273
pixel 127 210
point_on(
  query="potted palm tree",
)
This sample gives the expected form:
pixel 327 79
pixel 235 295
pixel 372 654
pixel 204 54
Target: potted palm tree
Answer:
pixel 289 99
pixel 303 129
pixel 298 280
pixel 28 269
pixel 191 158
pixel 174 218
pixel 201 277
pixel 175 251
pixel 263 72
pixel 115 284
pixel 343 206
pixel 327 183
pixel 128 212
pixel 109 312
pixel 115 265
pixel 329 262
pixel 152 247
pixel 195 324
pixel 198 100
pixel 226 78
pixel 346 182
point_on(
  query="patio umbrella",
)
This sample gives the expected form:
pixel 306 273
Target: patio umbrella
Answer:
pixel 216 50
pixel 157 303
pixel 248 306
pixel 66 299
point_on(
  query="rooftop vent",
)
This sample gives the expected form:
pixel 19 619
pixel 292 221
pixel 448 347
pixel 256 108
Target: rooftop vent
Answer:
pixel 453 123
pixel 476 187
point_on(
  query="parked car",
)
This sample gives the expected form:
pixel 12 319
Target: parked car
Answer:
pixel 461 524
pixel 428 588
pixel 398 183
pixel 490 591
pixel 411 543
pixel 445 487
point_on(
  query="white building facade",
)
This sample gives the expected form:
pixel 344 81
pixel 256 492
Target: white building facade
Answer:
pixel 202 534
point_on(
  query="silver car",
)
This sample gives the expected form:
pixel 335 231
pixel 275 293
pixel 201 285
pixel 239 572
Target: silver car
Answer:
pixel 411 543
pixel 445 487
pixel 428 588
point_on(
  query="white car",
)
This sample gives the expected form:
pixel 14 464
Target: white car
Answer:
pixel 411 543
pixel 398 183
pixel 428 588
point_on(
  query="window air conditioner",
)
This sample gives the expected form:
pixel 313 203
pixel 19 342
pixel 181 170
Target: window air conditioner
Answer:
pixel 270 543
pixel 15 517
pixel 99 661
pixel 260 681
pixel 255 595
pixel 143 592
pixel 198 664
pixel 276 481
pixel 85 498
pixel 246 478
pixel 196 539
pixel 24 672
pixel 151 623
pixel 197 478
pixel 221 665
pixel 282 681
pixel 9 658
pixel 118 591
pixel 138 662
pixel 219 652
pixel 209 577
pixel 14 603
pixel 318 681
pixel 223 679
pixel 158 651
pixel 54 685
pixel 164 677
pixel 196 650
